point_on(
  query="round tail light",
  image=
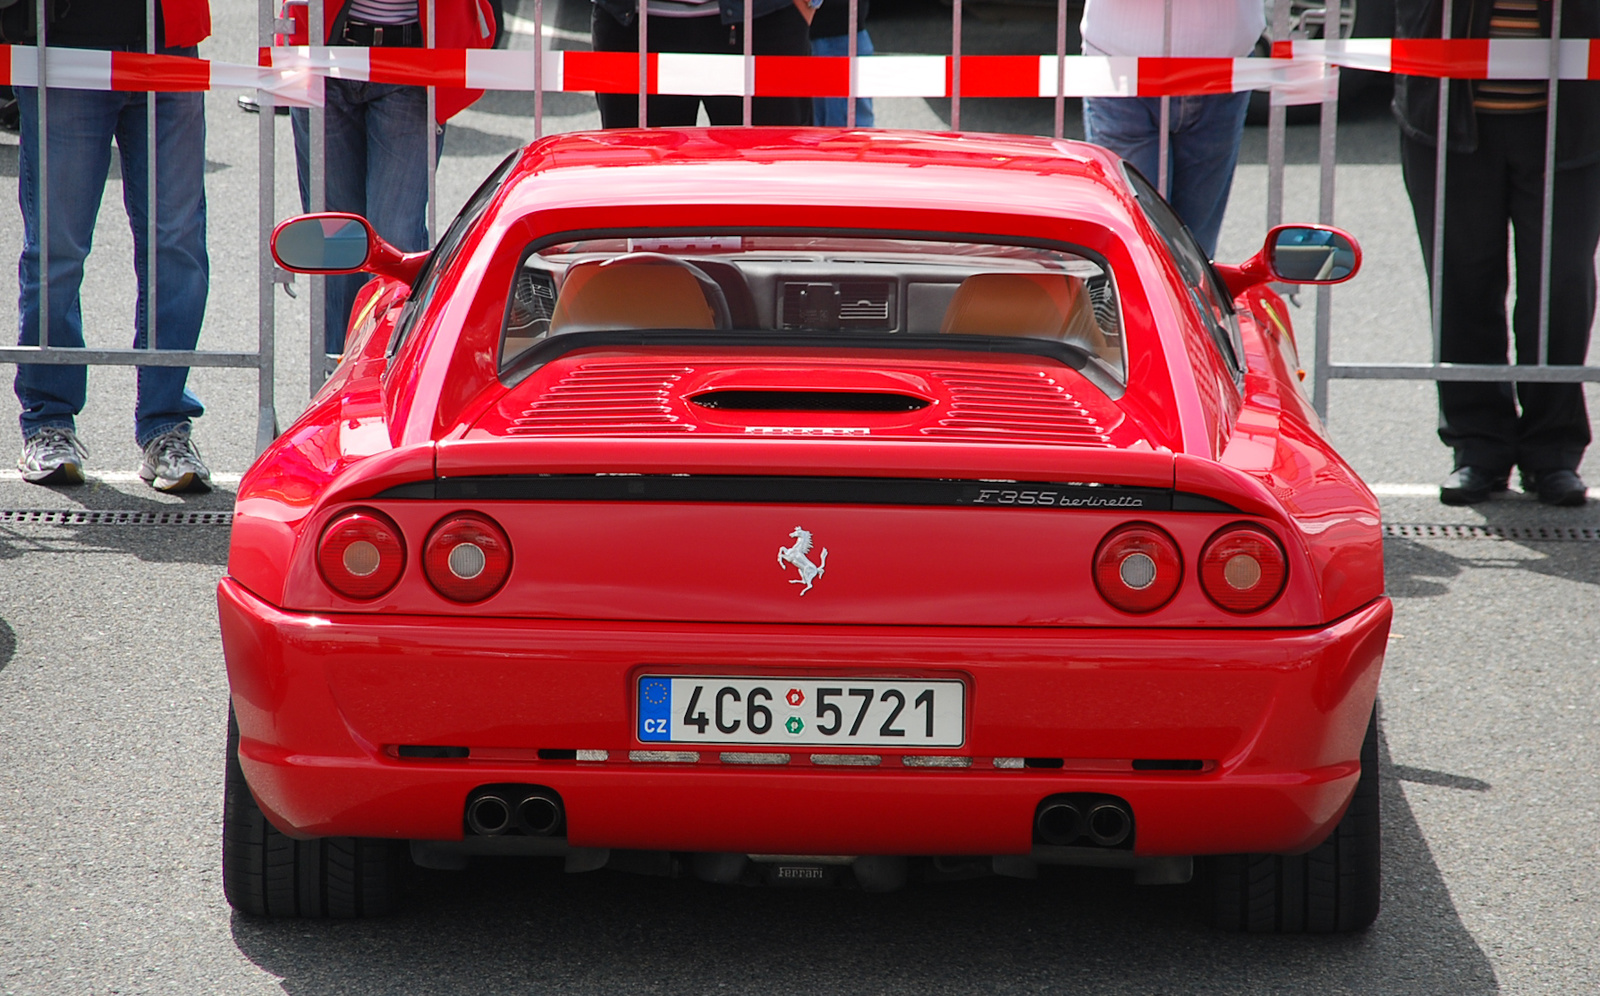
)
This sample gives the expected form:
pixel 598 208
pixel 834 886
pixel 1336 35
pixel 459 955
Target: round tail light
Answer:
pixel 1242 569
pixel 467 558
pixel 1137 568
pixel 361 554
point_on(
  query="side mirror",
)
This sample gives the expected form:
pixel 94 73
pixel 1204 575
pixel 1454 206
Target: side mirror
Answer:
pixel 323 243
pixel 332 242
pixel 1296 254
pixel 1306 254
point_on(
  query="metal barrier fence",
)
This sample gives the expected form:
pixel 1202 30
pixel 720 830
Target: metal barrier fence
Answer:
pixel 1179 77
pixel 148 355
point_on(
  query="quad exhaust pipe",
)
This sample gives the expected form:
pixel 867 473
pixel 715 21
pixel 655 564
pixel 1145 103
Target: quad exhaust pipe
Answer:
pixel 1083 819
pixel 529 810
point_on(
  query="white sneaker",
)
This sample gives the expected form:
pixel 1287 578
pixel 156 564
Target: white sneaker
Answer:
pixel 52 455
pixel 172 463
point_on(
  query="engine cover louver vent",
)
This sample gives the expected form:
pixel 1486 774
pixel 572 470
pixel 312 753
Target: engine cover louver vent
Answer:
pixel 611 398
pixel 1027 407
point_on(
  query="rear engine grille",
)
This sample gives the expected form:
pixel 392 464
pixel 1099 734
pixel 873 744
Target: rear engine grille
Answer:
pixel 1028 406
pixel 613 398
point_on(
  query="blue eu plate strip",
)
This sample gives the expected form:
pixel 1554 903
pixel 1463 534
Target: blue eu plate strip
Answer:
pixel 655 709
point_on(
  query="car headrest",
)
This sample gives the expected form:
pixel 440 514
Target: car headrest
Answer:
pixel 641 290
pixel 1038 305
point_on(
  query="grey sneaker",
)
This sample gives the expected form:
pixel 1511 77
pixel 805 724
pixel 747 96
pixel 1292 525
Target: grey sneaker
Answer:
pixel 52 455
pixel 172 463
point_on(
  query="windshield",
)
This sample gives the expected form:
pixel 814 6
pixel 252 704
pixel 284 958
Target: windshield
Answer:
pixel 800 285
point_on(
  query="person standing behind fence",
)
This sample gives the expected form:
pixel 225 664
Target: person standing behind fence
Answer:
pixel 1203 132
pixel 830 35
pixel 780 27
pixel 1495 179
pixel 376 134
pixel 81 127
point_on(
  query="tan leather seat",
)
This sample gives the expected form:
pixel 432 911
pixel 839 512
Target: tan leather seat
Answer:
pixel 638 291
pixel 1036 305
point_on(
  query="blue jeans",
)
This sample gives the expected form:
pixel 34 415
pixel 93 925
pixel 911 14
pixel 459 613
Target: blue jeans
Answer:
pixel 1203 149
pixel 82 126
pixel 377 167
pixel 830 111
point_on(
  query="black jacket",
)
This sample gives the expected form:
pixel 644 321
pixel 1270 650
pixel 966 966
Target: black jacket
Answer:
pixel 1416 98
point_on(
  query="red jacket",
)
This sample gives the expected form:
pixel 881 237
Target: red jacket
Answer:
pixel 457 24
pixel 187 22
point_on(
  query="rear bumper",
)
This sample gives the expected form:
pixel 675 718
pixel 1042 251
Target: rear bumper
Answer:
pixel 1277 716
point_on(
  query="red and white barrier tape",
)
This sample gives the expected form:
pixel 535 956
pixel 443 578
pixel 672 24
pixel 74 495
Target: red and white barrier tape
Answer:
pixel 93 69
pixel 1298 73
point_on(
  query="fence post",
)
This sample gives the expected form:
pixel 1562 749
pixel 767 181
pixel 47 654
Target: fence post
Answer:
pixel 42 157
pixel 431 133
pixel 538 69
pixel 1061 68
pixel 317 154
pixel 150 184
pixel 644 59
pixel 266 268
pixel 1164 142
pixel 1327 155
pixel 850 97
pixel 748 100
pixel 955 66
pixel 1547 219
pixel 1277 132
pixel 1441 152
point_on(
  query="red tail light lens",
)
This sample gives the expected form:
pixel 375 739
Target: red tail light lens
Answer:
pixel 361 554
pixel 1242 569
pixel 1137 568
pixel 467 558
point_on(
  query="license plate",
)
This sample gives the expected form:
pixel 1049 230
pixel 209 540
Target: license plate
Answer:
pixel 812 712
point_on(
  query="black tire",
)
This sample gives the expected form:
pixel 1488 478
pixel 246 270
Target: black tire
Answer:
pixel 1332 889
pixel 266 873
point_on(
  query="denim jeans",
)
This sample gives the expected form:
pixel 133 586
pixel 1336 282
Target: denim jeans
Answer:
pixel 1203 149
pixel 831 111
pixel 377 167
pixel 82 126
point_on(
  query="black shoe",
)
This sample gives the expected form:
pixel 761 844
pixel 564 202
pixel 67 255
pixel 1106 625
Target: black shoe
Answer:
pixel 1556 487
pixel 1470 485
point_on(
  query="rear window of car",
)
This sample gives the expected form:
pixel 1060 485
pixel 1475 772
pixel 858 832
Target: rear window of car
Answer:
pixel 819 287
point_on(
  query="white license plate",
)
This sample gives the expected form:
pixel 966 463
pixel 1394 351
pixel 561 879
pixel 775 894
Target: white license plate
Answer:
pixel 813 712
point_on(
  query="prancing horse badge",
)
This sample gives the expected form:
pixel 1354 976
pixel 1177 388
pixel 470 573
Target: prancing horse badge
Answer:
pixel 796 555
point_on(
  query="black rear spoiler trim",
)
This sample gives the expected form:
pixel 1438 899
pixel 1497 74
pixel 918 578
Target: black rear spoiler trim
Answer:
pixel 770 489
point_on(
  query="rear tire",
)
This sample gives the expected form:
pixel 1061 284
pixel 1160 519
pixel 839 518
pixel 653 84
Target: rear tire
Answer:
pixel 267 873
pixel 1332 889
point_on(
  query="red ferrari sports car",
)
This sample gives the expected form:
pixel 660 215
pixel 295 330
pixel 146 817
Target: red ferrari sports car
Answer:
pixel 809 506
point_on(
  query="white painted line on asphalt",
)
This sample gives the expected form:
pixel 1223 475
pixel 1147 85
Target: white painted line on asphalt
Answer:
pixel 1432 491
pixel 130 476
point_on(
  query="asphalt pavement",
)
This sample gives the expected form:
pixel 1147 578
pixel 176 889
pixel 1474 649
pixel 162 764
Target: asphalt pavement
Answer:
pixel 113 698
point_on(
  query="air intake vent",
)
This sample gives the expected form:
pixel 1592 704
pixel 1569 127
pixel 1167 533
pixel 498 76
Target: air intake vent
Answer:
pixel 1021 406
pixel 810 401
pixel 609 399
pixel 852 306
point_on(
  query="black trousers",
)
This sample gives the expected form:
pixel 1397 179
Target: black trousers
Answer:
pixel 1501 186
pixel 783 32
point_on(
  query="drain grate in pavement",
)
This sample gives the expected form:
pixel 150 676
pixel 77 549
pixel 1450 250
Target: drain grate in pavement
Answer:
pixel 111 517
pixel 1559 534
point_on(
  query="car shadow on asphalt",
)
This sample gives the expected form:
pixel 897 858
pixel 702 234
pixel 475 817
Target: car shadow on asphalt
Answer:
pixel 1414 569
pixel 526 926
